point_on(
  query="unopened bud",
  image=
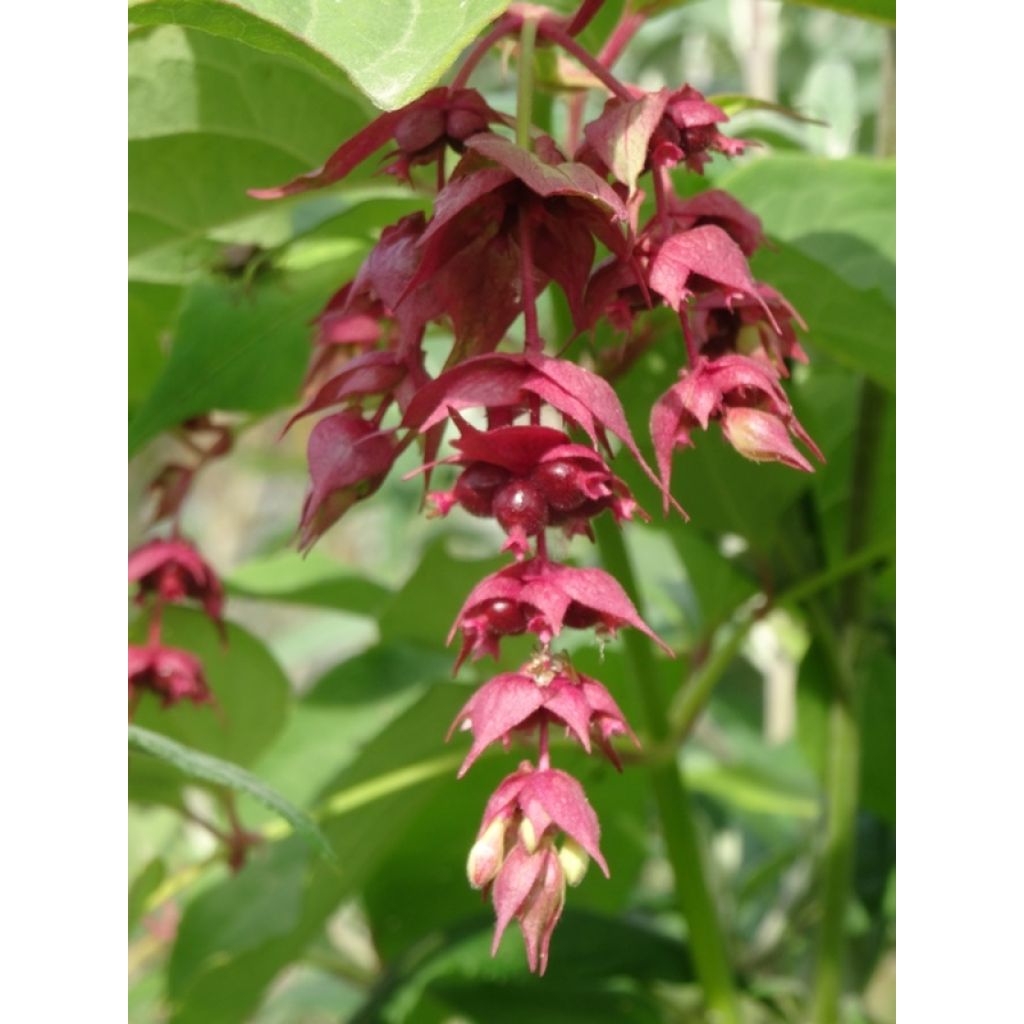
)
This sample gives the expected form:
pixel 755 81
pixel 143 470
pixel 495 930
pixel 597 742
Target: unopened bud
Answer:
pixel 486 854
pixel 574 860
pixel 528 835
pixel 762 437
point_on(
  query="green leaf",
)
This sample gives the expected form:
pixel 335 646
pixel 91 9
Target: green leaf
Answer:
pixel 857 328
pixel 236 936
pixel 874 10
pixel 824 208
pixel 592 975
pixel 394 50
pixel 143 886
pixel 209 118
pixel 251 691
pixel 346 708
pixel 197 765
pixel 236 350
pixel 424 610
pixel 152 311
pixel 314 579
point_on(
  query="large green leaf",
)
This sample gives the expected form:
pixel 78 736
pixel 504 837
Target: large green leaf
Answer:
pixel 209 118
pixel 237 935
pixel 313 579
pixel 857 328
pixel 197 765
pixel 345 709
pixel 236 349
pixel 394 50
pixel 824 208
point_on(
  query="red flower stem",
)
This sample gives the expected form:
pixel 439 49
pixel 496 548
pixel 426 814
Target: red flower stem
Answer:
pixel 543 754
pixel 556 35
pixel 440 169
pixel 583 16
pixel 661 188
pixel 533 341
pixel 542 546
pixel 153 634
pixel 133 704
pixel 199 820
pixel 504 27
pixel 608 55
pixel 692 352
pixel 621 36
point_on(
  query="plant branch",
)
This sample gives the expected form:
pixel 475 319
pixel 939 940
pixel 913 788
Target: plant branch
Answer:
pixel 503 27
pixel 524 86
pixel 675 808
pixel 842 774
pixel 691 700
pixel 556 35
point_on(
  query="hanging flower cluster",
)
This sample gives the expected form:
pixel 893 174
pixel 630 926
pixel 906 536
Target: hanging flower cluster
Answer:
pixel 509 219
pixel 172 571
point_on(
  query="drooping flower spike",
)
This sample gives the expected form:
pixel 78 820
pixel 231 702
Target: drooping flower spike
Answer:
pixel 508 221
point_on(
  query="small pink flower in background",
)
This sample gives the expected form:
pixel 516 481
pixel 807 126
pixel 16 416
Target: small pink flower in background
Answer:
pixel 172 674
pixel 174 570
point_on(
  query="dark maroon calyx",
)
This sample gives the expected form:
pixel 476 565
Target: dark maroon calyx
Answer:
pixel 477 486
pixel 578 616
pixel 520 506
pixel 560 483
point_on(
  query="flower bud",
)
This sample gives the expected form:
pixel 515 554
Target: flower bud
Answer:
pixel 486 854
pixel 528 835
pixel 761 437
pixel 574 860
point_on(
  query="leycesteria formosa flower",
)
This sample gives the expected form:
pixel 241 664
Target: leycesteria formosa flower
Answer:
pixel 172 674
pixel 745 396
pixel 174 570
pixel 541 597
pixel 546 689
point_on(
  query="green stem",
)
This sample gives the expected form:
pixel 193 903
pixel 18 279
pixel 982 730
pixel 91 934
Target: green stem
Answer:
pixel 675 807
pixel 842 770
pixel 693 697
pixel 524 90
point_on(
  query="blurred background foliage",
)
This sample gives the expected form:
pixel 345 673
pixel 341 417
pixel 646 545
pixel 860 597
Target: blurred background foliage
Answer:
pixel 336 689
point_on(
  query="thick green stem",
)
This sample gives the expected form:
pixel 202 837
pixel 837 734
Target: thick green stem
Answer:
pixel 524 90
pixel 842 775
pixel 675 807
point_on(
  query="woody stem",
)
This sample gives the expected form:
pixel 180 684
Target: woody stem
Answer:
pixel 675 807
